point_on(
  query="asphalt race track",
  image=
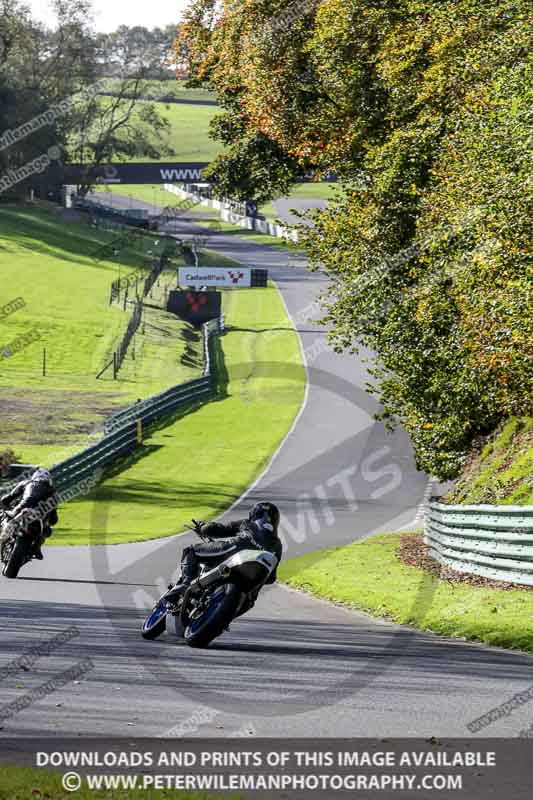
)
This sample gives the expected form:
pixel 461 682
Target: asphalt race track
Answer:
pixel 295 666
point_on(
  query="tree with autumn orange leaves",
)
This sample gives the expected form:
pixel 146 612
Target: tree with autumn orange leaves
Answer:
pixel 423 109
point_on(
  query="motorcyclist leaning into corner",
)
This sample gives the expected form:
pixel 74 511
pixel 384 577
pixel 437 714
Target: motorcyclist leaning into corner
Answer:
pixel 38 495
pixel 259 531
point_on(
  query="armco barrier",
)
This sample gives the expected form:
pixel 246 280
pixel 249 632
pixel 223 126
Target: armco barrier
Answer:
pixel 121 429
pixel 492 541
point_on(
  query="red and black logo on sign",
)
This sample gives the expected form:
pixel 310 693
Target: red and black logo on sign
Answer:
pixel 196 300
pixel 195 306
pixel 235 276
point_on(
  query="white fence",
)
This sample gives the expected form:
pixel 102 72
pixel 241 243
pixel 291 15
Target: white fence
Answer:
pixel 227 214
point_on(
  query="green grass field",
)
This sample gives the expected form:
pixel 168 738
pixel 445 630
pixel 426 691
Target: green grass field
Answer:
pixel 368 576
pixel 50 264
pixel 189 134
pixel 190 141
pixel 148 193
pixel 198 465
pixel 23 783
pixel 171 88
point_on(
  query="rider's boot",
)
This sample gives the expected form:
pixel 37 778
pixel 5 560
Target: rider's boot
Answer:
pixel 188 573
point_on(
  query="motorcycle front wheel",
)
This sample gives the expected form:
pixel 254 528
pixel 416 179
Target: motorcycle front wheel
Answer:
pixel 156 624
pixel 222 609
pixel 17 558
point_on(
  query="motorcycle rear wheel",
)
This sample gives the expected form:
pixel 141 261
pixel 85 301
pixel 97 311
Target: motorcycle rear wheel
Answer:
pixel 202 631
pixel 17 558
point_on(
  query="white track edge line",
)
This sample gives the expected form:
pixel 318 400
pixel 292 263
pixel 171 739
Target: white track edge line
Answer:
pixel 297 418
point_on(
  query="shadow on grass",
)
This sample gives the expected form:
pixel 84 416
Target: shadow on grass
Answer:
pixel 41 232
pixel 171 495
pixel 234 329
pixel 219 370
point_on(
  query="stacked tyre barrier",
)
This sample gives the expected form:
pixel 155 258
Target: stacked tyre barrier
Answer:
pixel 494 542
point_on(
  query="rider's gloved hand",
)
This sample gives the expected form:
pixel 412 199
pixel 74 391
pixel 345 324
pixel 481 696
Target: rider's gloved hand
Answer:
pixel 4 501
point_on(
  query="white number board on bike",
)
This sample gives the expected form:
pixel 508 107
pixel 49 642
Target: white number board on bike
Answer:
pixel 234 277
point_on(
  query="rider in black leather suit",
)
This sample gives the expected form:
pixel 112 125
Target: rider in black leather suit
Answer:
pixel 258 531
pixel 37 493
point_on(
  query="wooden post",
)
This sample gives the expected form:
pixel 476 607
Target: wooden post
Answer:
pixel 115 366
pixel 139 431
pixel 44 362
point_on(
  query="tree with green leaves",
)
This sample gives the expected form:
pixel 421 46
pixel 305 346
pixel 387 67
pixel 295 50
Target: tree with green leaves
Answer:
pixel 50 80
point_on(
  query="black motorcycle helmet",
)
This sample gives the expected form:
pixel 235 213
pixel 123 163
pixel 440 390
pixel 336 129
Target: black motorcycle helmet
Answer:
pixel 41 475
pixel 265 512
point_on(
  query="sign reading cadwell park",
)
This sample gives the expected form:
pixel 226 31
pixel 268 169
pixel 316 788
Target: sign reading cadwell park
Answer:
pixel 197 306
pixel 230 277
pixel 214 276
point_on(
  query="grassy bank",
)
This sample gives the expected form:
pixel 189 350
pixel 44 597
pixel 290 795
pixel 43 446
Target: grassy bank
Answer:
pixel 50 264
pixel 21 783
pixel 369 576
pixel 198 465
pixel 500 471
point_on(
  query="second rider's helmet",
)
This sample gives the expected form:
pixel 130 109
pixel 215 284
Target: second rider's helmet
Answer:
pixel 42 476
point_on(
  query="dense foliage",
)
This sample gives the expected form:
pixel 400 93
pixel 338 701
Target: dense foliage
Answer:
pixel 423 108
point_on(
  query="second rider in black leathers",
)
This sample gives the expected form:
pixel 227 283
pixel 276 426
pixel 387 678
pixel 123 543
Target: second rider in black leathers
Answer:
pixel 38 495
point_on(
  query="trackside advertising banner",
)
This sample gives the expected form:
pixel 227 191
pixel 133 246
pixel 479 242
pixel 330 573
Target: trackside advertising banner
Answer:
pixel 234 277
pixel 156 173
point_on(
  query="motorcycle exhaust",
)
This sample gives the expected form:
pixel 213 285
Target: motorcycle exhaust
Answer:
pixel 223 571
pixel 211 577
